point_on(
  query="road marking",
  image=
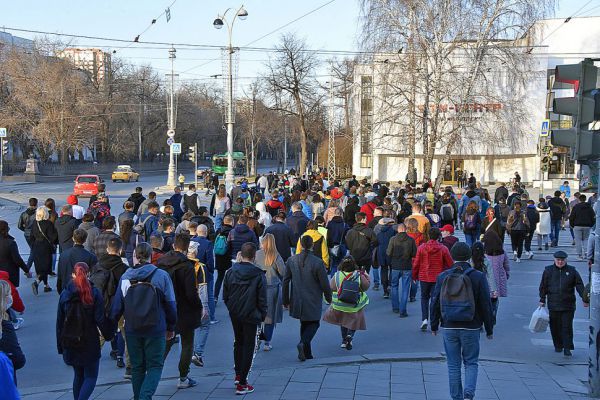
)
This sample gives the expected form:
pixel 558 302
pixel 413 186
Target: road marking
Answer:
pixel 549 343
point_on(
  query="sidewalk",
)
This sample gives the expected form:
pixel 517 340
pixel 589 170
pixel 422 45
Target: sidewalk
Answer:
pixel 377 380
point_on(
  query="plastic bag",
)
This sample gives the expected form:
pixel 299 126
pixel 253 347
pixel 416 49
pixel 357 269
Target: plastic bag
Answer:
pixel 539 320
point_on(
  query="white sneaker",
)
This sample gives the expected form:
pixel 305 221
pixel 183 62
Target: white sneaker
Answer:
pixel 514 256
pixel 424 325
pixel 18 323
pixel 186 383
pixel 517 260
pixel 530 255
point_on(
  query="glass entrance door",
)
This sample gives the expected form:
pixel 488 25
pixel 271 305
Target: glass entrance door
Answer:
pixel 453 171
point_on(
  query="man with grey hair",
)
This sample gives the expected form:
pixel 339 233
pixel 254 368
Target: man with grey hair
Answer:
pixel 146 344
pixel 65 226
pixel 206 256
pixel 297 223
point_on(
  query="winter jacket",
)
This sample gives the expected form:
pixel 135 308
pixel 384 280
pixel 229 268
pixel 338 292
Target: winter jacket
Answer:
pixel 101 242
pixel 17 304
pixel 190 202
pixel 477 222
pixel 26 221
pixel 143 207
pixel 582 215
pixel 385 234
pixel 431 260
pixel 283 238
pixel 205 253
pixel 517 221
pixel 557 288
pixel 320 248
pixel 304 285
pixel 361 241
pixel 400 251
pixel 481 294
pixel 544 226
pixel 350 212
pixel 273 206
pixel 168 308
pixel 369 209
pixel 219 206
pixel 65 226
pixel 223 262
pixel 449 241
pixel 466 199
pixel 532 215
pixel 150 222
pixel 558 208
pixel 9 345
pixel 176 203
pixel 10 259
pixel 116 268
pixel 239 235
pixel 306 209
pixel 336 231
pixel 206 221
pixel 183 275
pixel 297 223
pixel 245 293
pixel 126 215
pixel 137 199
pixel 67 261
pixel 501 193
pixel 93 321
pixel 92 231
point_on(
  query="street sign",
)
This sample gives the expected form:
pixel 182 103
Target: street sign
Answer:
pixel 545 128
pixel 3 132
pixel 171 133
pixel 170 141
pixel 176 147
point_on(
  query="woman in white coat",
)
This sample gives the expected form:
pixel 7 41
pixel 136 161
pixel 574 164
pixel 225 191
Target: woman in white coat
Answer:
pixel 543 227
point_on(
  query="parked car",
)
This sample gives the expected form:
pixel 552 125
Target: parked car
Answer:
pixel 86 185
pixel 125 173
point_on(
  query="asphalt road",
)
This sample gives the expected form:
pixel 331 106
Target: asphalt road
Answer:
pixel 386 332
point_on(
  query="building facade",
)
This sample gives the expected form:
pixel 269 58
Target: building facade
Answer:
pixel 381 145
pixel 94 61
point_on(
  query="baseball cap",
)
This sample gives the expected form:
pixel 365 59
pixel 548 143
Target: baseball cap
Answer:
pixel 448 228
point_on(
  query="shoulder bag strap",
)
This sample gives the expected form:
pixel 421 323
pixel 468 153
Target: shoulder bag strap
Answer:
pixel 43 234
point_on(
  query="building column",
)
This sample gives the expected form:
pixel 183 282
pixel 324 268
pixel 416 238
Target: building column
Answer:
pixel 482 177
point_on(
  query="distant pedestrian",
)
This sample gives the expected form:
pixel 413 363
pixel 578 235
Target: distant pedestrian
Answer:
pixel 518 227
pixel 43 248
pixel 10 259
pixel 558 209
pixel 137 198
pixel 71 257
pixel 494 251
pixel 25 224
pixel 581 220
pixel 471 223
pixel 557 291
pixel 448 238
pixel 65 226
pixel 181 180
pixel 400 251
pixel 307 274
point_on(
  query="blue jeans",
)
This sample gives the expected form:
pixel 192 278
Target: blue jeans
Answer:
pixel 462 346
pixel 268 332
pixel 200 337
pixel 472 237
pixel 376 276
pixel 398 276
pixel 334 261
pixel 147 360
pixel 218 221
pixel 84 380
pixel 211 296
pixel 555 226
pixel 414 287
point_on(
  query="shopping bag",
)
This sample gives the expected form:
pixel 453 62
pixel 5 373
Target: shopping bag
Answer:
pixel 539 320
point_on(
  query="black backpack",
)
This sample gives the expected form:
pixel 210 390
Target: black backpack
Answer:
pixel 142 304
pixel 105 281
pixel 73 334
pixel 349 290
pixel 456 296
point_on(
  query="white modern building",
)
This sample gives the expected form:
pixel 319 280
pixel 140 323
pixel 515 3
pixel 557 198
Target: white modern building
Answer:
pixel 380 148
pixel 94 61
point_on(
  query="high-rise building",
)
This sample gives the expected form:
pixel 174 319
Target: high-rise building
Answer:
pixel 94 61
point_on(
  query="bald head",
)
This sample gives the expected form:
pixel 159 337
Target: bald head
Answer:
pixel 202 230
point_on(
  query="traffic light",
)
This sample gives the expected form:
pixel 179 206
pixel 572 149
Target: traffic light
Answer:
pixel 192 153
pixel 545 163
pixel 584 108
pixel 4 147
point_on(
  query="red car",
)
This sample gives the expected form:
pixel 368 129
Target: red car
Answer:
pixel 86 185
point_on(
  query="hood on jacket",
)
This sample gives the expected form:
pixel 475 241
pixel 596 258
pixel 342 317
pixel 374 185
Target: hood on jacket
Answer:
pixel 385 228
pixel 245 271
pixel 64 219
pixel 360 226
pixel 172 260
pixel 241 228
pixel 139 272
pixel 137 196
pixel 315 235
pixel 336 218
pixel 109 261
pixel 30 211
pixel 402 236
pixel 433 247
pixel 87 225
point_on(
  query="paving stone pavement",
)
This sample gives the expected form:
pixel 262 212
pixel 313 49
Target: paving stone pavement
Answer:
pixel 410 380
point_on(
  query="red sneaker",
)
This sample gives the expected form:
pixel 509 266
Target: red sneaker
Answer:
pixel 236 381
pixel 244 389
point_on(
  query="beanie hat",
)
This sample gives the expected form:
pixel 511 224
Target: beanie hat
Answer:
pixel 460 251
pixel 72 200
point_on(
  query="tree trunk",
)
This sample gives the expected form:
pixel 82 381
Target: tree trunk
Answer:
pixel 303 137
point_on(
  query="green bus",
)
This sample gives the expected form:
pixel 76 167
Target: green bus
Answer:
pixel 219 163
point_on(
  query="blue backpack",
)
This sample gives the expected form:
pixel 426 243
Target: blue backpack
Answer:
pixel 456 296
pixel 220 247
pixel 8 388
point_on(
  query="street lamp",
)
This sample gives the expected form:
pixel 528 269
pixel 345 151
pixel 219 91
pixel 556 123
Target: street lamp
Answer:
pixel 218 23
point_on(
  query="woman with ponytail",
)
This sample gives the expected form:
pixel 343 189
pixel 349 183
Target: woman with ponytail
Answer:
pixel 80 316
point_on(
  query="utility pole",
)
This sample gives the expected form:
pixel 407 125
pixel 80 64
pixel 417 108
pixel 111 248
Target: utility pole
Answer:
pixel 331 150
pixel 140 115
pixel 285 127
pixel 172 171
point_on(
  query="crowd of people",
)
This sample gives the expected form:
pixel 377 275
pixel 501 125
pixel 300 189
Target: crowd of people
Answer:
pixel 143 278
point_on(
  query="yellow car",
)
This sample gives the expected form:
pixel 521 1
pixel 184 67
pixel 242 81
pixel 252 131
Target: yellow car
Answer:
pixel 125 173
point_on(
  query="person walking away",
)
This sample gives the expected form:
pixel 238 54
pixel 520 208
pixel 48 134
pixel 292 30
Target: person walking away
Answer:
pixel 500 193
pixel 201 333
pixel 494 251
pixel 241 234
pixel 43 248
pixel 245 295
pixel 137 198
pixel 518 226
pixel 204 219
pixel 71 257
pixel 130 239
pixel 223 254
pixel 448 238
pixel 543 228
pixel 297 222
pixel 361 241
pixel 422 220
pixel 10 259
pixel 320 248
pixel 534 217
pixel 219 205
pixel 400 251
pixel 271 262
pixel 347 308
pixel 127 213
pixel 181 180
pixel 176 198
pixel 283 236
pixel 65 226
pixel 447 211
pixel 189 308
pixel 151 312
pixel 581 220
pixel 262 184
pixel 100 209
pixel 483 265
pixel 190 200
pixel 336 233
pixel 384 232
pixel 431 260
pixel 108 232
pixel 91 229
pixel 471 223
pixel 304 285
pixel 205 254
pixel 350 211
pixel 79 321
pixel 558 210
pixel 25 224
pixel 501 211
pixel 461 326
pixel 557 291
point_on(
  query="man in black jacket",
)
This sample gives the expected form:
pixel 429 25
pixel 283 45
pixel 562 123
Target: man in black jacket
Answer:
pixel 557 290
pixel 558 209
pixel 137 199
pixel 245 295
pixel 65 226
pixel 72 256
pixel 501 193
pixel 361 241
pixel 283 236
pixel 25 224
pixel 581 220
pixel 297 222
pixel 189 308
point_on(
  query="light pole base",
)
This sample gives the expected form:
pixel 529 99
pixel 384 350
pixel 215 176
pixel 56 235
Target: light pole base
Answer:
pixel 229 182
pixel 171 181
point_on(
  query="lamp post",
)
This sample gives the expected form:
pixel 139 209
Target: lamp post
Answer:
pixel 172 170
pixel 218 23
